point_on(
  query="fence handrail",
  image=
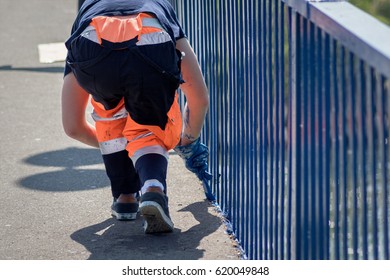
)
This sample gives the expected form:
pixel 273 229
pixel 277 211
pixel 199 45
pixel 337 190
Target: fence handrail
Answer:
pixel 352 27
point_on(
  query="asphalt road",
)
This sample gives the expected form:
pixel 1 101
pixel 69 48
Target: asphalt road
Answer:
pixel 55 197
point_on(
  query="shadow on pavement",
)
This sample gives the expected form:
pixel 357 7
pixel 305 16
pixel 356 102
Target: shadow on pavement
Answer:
pixel 74 175
pixel 116 240
pixel 51 69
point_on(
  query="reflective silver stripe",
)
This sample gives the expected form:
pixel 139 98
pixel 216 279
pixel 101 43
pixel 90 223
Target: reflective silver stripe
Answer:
pixel 113 146
pixel 121 114
pixel 154 38
pixel 149 150
pixel 141 136
pixel 90 34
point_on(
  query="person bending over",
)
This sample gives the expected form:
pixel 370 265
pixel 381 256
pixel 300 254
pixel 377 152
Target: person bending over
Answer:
pixel 130 57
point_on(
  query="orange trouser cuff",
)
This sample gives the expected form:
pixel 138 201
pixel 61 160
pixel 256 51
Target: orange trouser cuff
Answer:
pixel 116 130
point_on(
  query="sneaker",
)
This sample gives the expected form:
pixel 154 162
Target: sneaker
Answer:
pixel 154 209
pixel 124 211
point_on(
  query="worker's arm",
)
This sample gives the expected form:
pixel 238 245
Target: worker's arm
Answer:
pixel 74 102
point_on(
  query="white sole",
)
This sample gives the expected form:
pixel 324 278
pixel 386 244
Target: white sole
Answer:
pixel 156 221
pixel 124 216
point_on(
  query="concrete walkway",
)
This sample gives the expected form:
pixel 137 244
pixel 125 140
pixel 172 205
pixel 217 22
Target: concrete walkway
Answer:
pixel 55 197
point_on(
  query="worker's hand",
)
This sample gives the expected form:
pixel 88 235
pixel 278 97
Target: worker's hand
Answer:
pixel 195 156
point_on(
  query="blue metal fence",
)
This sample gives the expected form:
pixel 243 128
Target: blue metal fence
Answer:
pixel 299 124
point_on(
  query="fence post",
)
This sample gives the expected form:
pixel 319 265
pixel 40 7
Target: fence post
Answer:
pixel 294 116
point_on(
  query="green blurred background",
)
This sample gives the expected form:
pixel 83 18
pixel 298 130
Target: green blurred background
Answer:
pixel 378 8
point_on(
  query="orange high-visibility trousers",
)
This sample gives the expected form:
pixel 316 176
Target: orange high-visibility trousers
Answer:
pixel 117 131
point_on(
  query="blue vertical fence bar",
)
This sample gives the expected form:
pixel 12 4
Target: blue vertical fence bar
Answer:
pixel 298 126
